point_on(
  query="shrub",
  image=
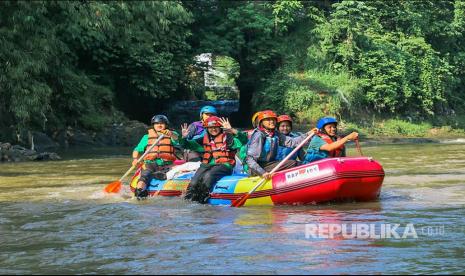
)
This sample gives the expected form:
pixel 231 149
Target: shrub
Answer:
pixel 396 127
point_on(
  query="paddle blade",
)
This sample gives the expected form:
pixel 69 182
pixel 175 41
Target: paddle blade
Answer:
pixel 113 187
pixel 240 201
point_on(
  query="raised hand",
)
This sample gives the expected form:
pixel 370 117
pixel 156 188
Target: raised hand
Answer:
pixel 225 124
pixel 184 130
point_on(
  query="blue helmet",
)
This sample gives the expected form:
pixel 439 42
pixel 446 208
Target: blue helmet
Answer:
pixel 208 109
pixel 324 121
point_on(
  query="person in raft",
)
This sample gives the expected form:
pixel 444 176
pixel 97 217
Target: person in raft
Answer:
pixel 262 148
pixel 242 153
pixel 285 127
pixel 326 142
pixel 218 146
pixel 254 123
pixel 160 159
pixel 196 129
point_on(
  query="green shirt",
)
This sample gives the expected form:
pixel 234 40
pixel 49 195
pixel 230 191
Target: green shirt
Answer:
pixel 140 148
pixel 316 143
pixel 197 145
pixel 243 137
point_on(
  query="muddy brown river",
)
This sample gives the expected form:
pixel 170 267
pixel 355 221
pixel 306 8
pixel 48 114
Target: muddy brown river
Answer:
pixel 54 218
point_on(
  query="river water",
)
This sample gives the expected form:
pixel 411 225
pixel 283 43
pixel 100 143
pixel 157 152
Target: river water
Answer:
pixel 54 218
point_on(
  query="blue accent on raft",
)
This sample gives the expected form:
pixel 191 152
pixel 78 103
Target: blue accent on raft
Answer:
pixel 157 185
pixel 226 185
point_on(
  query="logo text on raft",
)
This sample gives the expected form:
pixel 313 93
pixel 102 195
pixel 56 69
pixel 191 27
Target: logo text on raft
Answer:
pixel 301 174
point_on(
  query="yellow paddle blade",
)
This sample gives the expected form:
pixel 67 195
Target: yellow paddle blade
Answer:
pixel 114 187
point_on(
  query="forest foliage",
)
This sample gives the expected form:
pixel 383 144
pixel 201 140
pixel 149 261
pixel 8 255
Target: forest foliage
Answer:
pixel 90 63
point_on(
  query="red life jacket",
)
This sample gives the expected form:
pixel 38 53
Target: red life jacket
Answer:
pixel 163 150
pixel 335 153
pixel 218 149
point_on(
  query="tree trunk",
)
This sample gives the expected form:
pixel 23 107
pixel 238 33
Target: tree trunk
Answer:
pixel 246 83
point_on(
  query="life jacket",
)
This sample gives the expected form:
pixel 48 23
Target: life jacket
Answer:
pixel 218 150
pixel 284 151
pixel 270 146
pixel 335 153
pixel 163 150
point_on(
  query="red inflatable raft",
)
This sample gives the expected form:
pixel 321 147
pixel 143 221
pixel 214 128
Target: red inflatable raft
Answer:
pixel 332 179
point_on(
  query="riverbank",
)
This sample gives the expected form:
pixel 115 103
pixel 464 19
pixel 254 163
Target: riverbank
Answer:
pixel 396 131
pixel 402 136
pixel 16 153
pixel 38 146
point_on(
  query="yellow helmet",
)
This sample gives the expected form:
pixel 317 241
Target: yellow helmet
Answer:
pixel 254 117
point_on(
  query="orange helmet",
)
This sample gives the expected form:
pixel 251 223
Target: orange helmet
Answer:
pixel 283 118
pixel 212 121
pixel 266 114
pixel 254 117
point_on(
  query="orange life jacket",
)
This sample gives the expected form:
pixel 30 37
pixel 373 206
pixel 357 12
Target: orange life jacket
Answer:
pixel 335 153
pixel 163 150
pixel 218 149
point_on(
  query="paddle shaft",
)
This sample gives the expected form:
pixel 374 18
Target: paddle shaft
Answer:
pixel 357 145
pixel 279 165
pixel 142 157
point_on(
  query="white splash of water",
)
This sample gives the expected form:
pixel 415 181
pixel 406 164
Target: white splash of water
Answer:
pixel 454 141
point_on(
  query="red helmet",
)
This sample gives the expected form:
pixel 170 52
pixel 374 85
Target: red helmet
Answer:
pixel 212 121
pixel 283 118
pixel 266 114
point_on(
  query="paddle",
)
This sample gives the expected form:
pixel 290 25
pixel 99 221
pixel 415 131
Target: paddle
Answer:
pixel 115 187
pixel 357 145
pixel 241 201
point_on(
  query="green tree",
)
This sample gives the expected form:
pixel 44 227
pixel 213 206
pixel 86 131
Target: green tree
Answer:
pixel 71 63
pixel 247 31
pixel 400 71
